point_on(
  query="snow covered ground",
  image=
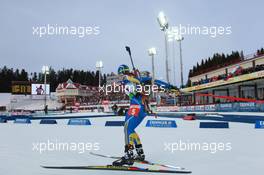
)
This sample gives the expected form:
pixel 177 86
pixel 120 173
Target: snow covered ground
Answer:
pixel 5 99
pixel 19 156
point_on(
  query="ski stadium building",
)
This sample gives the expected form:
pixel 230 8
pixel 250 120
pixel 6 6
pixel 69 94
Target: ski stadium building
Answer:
pixel 239 82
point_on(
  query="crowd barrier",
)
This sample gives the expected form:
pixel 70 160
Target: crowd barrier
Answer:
pixel 3 120
pixel 22 121
pixel 259 123
pixel 79 122
pixel 214 125
pixel 48 121
pixel 225 107
pixel 114 123
pixel 161 123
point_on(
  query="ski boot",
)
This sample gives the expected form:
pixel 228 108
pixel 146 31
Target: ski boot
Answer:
pixel 140 153
pixel 127 159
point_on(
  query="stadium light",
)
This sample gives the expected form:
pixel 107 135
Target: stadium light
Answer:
pixel 163 21
pixel 164 25
pixel 99 66
pixel 180 38
pixel 152 51
pixel 171 38
pixel 45 71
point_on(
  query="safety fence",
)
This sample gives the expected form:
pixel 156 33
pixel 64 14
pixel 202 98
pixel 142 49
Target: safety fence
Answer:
pixel 224 107
pixel 259 124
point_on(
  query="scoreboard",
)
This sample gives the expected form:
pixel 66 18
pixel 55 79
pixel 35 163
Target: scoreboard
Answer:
pixel 28 88
pixel 21 87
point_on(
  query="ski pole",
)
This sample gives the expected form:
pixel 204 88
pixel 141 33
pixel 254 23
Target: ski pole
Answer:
pixel 131 59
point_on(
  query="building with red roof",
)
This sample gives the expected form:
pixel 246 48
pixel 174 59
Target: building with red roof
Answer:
pixel 71 93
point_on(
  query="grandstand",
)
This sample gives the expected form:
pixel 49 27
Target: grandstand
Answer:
pixel 242 78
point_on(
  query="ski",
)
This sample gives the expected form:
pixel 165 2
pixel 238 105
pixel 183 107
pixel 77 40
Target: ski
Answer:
pixel 139 161
pixel 118 168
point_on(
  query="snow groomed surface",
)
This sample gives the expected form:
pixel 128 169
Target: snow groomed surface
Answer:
pixel 161 145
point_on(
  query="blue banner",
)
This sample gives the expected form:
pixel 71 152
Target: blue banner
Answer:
pixel 161 123
pixel 259 124
pixel 22 120
pixel 79 122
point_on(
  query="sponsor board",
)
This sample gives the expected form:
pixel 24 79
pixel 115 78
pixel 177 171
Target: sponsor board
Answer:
pixel 161 123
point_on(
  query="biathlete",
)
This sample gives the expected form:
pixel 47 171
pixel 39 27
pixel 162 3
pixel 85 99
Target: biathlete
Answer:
pixel 136 113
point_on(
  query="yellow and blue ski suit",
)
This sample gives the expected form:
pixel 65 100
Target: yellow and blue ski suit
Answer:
pixel 135 114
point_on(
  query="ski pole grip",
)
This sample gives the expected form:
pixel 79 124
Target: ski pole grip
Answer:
pixel 128 50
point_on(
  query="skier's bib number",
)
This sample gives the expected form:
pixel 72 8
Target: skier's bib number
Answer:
pixel 134 110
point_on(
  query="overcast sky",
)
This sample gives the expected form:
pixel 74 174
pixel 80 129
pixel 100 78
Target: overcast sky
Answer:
pixel 123 23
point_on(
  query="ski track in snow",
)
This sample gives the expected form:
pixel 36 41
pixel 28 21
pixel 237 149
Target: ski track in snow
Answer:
pixel 17 156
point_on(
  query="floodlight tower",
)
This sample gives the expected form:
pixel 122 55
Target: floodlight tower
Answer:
pixel 171 38
pixel 99 66
pixel 152 52
pixel 180 38
pixel 45 71
pixel 164 25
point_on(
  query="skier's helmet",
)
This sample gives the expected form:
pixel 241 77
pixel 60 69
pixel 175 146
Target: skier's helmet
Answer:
pixel 123 69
